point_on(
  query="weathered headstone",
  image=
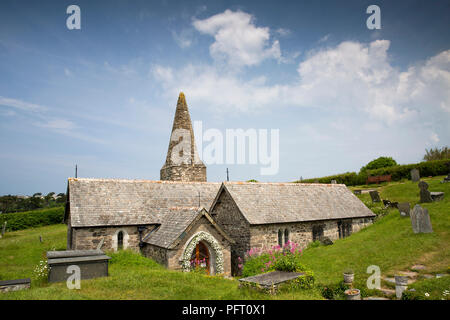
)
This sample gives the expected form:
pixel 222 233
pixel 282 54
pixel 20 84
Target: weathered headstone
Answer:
pixel 404 209
pixel 4 228
pixel 375 196
pixel 333 181
pixel 415 175
pixel 446 179
pixel 420 220
pixel 40 239
pixel 425 195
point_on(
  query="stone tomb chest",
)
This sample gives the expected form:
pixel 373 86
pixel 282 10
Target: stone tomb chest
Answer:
pixel 92 264
pixel 270 281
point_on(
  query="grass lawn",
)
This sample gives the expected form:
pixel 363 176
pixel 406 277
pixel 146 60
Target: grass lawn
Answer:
pixel 389 243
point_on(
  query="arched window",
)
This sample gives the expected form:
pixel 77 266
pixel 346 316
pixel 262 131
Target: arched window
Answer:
pixel 120 240
pixel 280 237
pixel 286 235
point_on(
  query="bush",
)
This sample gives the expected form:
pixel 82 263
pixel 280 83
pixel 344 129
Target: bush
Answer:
pixel 286 258
pixel 399 172
pixel 30 219
pixel 381 162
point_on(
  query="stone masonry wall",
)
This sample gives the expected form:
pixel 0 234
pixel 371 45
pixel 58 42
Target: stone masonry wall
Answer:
pixel 89 237
pixel 228 217
pixel 196 172
pixel 299 232
pixel 156 253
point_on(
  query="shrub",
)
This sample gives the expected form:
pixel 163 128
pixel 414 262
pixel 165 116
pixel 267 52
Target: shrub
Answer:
pixel 37 218
pixel 398 172
pixel 381 162
pixel 286 258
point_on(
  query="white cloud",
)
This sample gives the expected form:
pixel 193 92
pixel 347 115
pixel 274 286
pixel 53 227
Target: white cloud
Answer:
pixel 237 40
pixel 20 104
pixel 58 124
pixel 184 38
pixel 283 32
pixel 351 77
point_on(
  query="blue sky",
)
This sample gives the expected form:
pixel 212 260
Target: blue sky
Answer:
pixel 104 97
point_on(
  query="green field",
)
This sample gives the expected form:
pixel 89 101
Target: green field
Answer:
pixel 389 243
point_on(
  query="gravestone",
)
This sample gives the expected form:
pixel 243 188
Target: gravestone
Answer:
pixel 375 196
pixel 425 195
pixel 420 220
pixel 4 228
pixel 446 179
pixel 357 191
pixel 333 181
pixel 415 175
pixel 404 209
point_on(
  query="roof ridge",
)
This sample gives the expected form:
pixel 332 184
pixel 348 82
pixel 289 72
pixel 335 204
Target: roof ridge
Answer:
pixel 143 180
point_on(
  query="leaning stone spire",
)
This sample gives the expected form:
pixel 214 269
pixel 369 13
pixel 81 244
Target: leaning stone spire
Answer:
pixel 182 161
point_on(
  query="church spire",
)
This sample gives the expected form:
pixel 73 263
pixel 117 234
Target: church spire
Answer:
pixel 182 161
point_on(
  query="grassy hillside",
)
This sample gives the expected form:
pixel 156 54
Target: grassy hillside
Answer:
pixel 389 243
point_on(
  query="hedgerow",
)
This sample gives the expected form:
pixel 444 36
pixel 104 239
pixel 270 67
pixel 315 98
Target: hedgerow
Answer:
pixel 30 219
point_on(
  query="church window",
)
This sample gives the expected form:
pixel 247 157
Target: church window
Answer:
pixel 317 232
pixel 120 240
pixel 344 228
pixel 286 235
pixel 280 237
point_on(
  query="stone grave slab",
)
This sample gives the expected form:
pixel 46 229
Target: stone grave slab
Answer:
pixel 420 220
pixel 437 196
pixel 15 285
pixel 270 280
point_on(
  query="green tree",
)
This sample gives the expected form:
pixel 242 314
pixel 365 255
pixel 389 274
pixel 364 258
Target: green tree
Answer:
pixel 437 154
pixel 378 163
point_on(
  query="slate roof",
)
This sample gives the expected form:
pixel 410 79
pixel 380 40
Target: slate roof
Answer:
pixel 265 203
pixel 176 223
pixel 111 202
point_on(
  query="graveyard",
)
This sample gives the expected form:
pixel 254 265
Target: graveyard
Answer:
pixel 389 243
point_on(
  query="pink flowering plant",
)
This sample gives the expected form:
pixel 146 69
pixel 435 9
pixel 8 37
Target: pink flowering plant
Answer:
pixel 262 260
pixel 198 266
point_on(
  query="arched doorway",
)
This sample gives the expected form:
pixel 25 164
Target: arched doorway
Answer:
pixel 200 257
pixel 214 250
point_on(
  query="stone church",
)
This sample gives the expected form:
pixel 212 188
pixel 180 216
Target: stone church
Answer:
pixel 182 220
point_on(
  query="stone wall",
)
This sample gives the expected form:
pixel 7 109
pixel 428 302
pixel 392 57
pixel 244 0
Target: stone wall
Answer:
pixel 89 237
pixel 228 217
pixel 299 232
pixel 156 253
pixel 196 172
